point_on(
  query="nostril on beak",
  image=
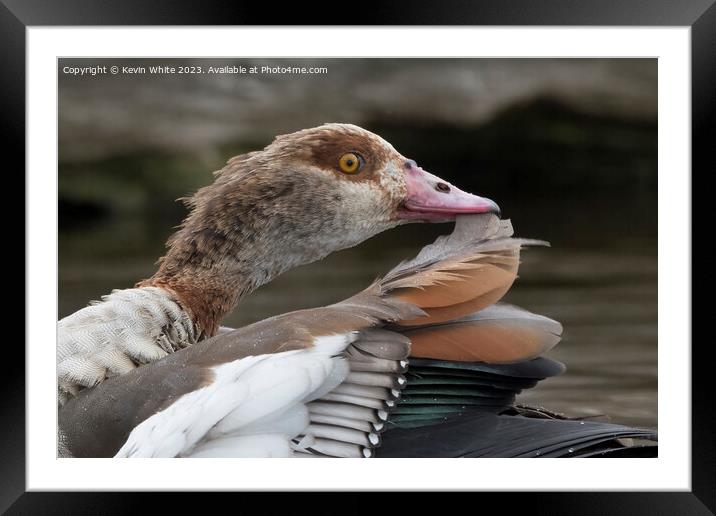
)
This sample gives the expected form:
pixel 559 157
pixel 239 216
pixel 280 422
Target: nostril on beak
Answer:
pixel 442 187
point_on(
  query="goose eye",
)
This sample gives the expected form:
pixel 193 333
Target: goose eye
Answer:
pixel 350 163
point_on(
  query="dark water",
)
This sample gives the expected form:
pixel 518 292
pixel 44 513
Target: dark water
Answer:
pixel 599 279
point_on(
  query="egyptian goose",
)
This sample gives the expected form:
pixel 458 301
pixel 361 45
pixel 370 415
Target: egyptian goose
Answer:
pixel 325 381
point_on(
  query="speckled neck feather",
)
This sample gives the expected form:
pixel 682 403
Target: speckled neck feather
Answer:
pixel 234 240
pixel 269 211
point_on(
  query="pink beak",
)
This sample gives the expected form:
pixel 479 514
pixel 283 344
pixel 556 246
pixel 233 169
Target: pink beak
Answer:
pixel 431 199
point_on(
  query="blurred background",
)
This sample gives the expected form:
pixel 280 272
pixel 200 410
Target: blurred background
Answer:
pixel 566 147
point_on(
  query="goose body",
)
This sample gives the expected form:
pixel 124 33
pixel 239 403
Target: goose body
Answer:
pixel 149 372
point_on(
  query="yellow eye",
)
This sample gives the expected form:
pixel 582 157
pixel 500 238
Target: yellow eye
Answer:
pixel 350 163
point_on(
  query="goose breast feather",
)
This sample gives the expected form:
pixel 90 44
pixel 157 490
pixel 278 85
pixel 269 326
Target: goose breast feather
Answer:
pixel 111 337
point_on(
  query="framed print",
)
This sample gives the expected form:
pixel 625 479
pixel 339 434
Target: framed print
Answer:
pixel 574 127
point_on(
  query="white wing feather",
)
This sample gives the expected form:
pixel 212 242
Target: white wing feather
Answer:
pixel 253 407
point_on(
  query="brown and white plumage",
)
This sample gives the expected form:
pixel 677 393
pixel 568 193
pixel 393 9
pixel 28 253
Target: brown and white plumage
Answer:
pixel 266 212
pixel 318 382
pixel 149 371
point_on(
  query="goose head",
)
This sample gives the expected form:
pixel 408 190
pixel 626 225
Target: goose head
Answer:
pixel 302 197
pixel 362 183
pixel 334 186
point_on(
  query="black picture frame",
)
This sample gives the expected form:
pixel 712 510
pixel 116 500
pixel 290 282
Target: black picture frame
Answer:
pixel 17 15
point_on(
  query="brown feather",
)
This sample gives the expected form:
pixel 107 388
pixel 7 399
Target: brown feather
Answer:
pixel 475 288
pixel 478 289
pixel 499 334
pixel 448 313
pixel 449 286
